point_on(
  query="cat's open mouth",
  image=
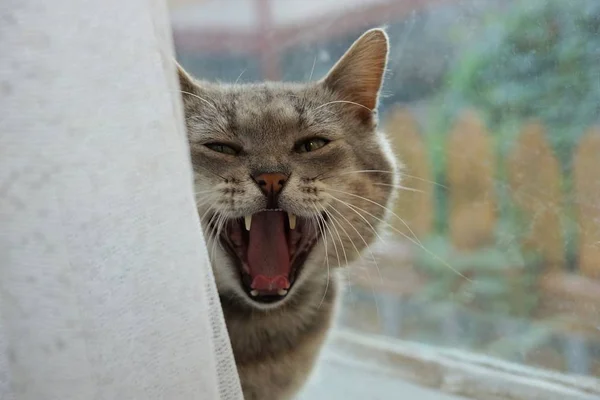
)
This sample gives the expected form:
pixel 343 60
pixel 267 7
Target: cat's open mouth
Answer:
pixel 269 248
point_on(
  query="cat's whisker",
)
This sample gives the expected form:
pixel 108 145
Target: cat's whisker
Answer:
pixel 239 76
pixel 334 224
pixel 201 204
pixel 328 214
pixel 381 206
pixel 218 233
pixel 203 192
pixel 367 222
pixel 221 220
pixel 378 171
pixel 312 70
pixel 212 217
pixel 418 178
pixel 359 253
pixel 418 244
pixel 202 201
pixel 343 102
pixel 326 225
pixel 339 238
pixel 222 226
pixel 210 224
pixel 212 236
pixel 400 187
pixel 210 172
pixel 322 176
pixel 200 98
pixel 363 240
pixel 335 220
pixel 210 208
pixel 319 220
pixel 309 79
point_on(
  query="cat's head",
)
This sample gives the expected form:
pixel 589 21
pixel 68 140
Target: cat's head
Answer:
pixel 292 180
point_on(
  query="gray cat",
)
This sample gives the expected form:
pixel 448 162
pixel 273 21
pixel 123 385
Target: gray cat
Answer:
pixel 292 181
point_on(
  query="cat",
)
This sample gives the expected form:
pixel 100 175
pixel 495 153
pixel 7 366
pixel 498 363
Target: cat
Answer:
pixel 292 181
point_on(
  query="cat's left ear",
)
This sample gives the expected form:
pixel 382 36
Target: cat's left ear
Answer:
pixel 186 82
pixel 358 75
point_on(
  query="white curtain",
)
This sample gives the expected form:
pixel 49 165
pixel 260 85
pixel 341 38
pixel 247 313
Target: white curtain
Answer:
pixel 105 287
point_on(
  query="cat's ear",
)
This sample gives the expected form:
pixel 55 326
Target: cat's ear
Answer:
pixel 186 82
pixel 358 75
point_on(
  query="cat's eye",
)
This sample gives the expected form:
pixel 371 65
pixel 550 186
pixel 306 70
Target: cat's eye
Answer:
pixel 309 145
pixel 222 148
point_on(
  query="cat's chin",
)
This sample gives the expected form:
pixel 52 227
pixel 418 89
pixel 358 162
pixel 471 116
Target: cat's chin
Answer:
pixel 269 282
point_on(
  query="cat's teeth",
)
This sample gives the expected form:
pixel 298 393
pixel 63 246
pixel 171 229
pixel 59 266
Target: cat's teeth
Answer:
pixel 248 221
pixel 282 292
pixel 254 293
pixel 292 219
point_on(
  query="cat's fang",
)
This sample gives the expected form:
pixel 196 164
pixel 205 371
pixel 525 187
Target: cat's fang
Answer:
pixel 254 293
pixel 248 221
pixel 292 219
pixel 282 292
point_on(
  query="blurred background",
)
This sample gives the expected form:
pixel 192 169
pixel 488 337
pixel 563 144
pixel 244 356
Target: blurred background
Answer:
pixel 494 107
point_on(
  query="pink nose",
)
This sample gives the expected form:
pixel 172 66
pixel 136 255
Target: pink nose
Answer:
pixel 271 183
pixel 267 283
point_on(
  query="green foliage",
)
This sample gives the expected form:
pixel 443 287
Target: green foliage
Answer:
pixel 540 60
pixel 499 279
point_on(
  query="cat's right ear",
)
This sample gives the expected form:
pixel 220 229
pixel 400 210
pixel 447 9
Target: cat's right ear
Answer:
pixel 186 82
pixel 358 75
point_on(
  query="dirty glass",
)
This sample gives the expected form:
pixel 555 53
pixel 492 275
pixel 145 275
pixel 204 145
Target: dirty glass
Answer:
pixel 493 106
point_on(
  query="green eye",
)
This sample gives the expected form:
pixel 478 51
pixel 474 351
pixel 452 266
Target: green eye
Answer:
pixel 222 148
pixel 311 145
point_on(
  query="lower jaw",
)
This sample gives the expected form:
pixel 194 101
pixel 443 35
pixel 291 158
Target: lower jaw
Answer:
pixel 314 293
pixel 273 299
pixel 270 300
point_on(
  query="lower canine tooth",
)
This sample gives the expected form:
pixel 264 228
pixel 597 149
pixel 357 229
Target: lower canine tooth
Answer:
pixel 292 219
pixel 248 221
pixel 282 292
pixel 254 293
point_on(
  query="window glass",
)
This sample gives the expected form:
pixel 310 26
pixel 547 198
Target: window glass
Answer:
pixel 494 108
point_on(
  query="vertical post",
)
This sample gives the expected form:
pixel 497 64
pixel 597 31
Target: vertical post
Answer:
pixel 535 185
pixel 577 354
pixel 392 313
pixel 267 49
pixel 471 184
pixel 415 203
pixel 586 171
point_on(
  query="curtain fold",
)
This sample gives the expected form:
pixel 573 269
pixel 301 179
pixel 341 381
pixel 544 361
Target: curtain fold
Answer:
pixel 105 287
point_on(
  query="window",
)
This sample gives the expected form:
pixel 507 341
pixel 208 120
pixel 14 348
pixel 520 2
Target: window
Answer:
pixel 494 108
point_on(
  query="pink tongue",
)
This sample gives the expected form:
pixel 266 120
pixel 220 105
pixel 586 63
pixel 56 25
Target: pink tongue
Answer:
pixel 268 253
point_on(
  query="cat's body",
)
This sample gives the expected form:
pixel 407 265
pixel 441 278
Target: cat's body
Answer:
pixel 292 182
pixel 275 351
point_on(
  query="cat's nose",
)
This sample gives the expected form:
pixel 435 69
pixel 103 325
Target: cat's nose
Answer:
pixel 271 183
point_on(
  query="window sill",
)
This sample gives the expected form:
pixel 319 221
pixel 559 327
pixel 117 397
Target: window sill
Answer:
pixel 455 372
